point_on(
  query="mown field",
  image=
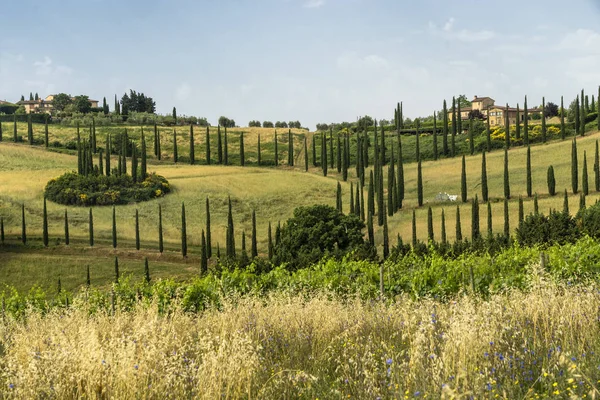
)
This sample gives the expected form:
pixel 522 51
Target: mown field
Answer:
pixel 272 192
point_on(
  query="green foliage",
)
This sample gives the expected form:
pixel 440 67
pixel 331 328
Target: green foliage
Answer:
pixel 74 189
pixel 542 230
pixel 551 181
pixel 316 231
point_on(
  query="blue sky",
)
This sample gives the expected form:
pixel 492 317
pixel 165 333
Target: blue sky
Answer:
pixel 308 60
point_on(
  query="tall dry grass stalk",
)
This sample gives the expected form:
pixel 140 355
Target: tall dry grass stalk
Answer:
pixel 517 345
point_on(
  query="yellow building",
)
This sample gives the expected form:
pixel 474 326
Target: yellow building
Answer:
pixel 45 105
pixel 496 114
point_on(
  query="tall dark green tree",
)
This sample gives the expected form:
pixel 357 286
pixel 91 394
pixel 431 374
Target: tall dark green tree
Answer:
pixel 430 234
pixel 525 124
pixel 583 116
pixel 324 155
pixel 528 173
pixel 91 228
pixel 242 153
pixel 506 176
pixel 386 239
pixel 146 271
pixel 419 184
pixel 444 238
pixel 143 164
pixel 338 198
pixel 114 228
pixel 463 181
pixel 562 119
pixel 175 153
pixel 414 229
pixel 370 230
pixel 338 154
pixel 506 219
pixel 67 238
pixel 117 275
pixel 331 161
pixel 521 211
pixel 484 182
pixel 380 201
pixel 45 224
pixel 584 177
pixel 458 225
pixel 490 229
pixel 160 231
pixel 230 233
pixel 574 168
pixel 551 181
pixel 536 209
pixel 445 130
pixel 203 256
pixel 219 145
pixel 183 231
pixel 400 180
pixel 254 246
pixel 137 230
pixel 475 229
pixel 566 203
pixel 371 196
pixel 208 234
pixel 291 148
pixel 453 138
pixel 23 225
pixel 192 153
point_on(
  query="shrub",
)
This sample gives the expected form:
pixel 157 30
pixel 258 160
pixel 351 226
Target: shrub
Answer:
pixel 74 189
pixel 589 220
pixel 538 229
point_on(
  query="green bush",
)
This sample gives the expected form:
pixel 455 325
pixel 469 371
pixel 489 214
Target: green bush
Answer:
pixel 539 229
pixel 589 220
pixel 80 190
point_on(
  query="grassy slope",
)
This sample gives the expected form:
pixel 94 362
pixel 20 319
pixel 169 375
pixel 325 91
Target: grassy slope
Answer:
pixel 273 193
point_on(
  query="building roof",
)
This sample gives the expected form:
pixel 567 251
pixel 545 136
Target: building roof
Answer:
pixel 480 99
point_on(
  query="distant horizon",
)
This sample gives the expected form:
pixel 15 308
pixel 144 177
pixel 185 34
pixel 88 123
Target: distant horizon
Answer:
pixel 316 61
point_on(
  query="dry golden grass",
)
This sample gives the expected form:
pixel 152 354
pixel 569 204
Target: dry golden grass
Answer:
pixel 541 343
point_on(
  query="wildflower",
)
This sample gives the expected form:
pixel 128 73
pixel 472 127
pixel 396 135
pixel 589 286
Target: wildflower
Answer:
pixel 11 386
pixel 389 361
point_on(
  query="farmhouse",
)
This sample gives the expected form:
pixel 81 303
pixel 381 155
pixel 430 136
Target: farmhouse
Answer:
pixel 44 105
pixel 496 114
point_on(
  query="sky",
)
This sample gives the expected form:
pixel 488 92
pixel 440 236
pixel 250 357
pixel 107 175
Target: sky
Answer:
pixel 316 61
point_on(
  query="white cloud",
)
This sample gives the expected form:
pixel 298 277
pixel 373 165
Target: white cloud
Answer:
pixel 463 35
pixel 449 24
pixel 43 67
pixel 584 40
pixel 314 3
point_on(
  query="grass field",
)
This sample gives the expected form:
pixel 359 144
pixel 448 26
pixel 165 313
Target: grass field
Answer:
pixel 272 192
pixel 542 343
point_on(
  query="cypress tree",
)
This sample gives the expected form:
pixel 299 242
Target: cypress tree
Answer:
pixel 23 225
pixel 390 190
pixel 458 227
pixel 506 221
pixel 484 183
pixel 259 157
pixel 463 181
pixel 574 168
pixel 219 146
pixel 254 247
pixel 276 151
pixel 506 176
pixel 208 234
pixel 583 115
pixel 46 133
pixel 91 228
pixel 305 156
pixel 358 205
pixel 535 204
pixel 562 119
pixel 225 147
pixel 551 181
pixel 324 155
pixel 386 239
pixel 584 178
pixel 521 211
pixel 116 270
pixel 291 148
pixel 400 180
pixel 597 169
pixel 270 242
pixel 414 229
pixel 489 220
pixel 45 224
pixel 444 239
pixel 488 134
pixel 345 158
pixel 146 270
pixel 314 150
pixel 525 124
pixel 174 114
pixel 338 154
pixel 108 155
pixel 435 134
pixel 518 124
pixel 278 233
pixel 430 235
pixel 543 120
pixel 175 155
pixel 370 231
pixel 475 231
pixel 371 198
pixel 566 203
pixel 338 198
pixel 203 256
pixel 88 280
pixel 183 231
pixel 529 184
pixel 114 228
pixel 100 166
pixel 137 230
pixel 453 138
pixel 66 228
pixel 419 184
pixel 471 138
pixel 143 166
pixel 242 153
pixel 331 161
pixel 230 234
pixel 581 201
pixel 506 129
pixel 192 154
pixel 160 230
pixel 445 130
pixel 134 163
pixel 380 202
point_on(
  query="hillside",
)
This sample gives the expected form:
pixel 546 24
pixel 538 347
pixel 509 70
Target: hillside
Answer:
pixel 272 192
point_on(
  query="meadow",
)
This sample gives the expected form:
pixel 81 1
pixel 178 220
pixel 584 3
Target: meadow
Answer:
pixel 272 192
